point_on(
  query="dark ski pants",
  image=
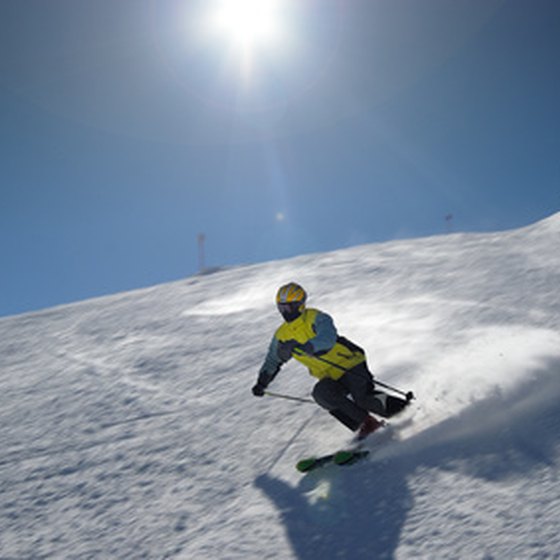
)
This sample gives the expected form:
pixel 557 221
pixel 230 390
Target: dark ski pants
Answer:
pixel 357 383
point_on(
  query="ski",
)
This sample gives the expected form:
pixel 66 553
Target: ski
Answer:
pixel 343 457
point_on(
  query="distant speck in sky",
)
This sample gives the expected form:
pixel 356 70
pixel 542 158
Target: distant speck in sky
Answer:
pixel 280 217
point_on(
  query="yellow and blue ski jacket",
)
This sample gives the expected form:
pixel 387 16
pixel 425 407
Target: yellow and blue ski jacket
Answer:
pixel 333 355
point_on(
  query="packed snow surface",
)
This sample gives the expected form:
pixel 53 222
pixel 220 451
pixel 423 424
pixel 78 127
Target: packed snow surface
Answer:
pixel 129 429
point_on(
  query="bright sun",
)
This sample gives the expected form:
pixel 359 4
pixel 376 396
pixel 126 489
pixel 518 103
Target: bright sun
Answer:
pixel 249 24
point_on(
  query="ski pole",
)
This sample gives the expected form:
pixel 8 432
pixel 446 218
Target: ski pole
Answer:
pixel 288 397
pixel 409 395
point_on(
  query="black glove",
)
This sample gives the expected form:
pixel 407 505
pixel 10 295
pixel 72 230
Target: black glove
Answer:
pixel 258 390
pixel 286 348
pixel 262 382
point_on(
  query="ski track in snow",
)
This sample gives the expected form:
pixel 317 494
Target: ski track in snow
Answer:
pixel 129 429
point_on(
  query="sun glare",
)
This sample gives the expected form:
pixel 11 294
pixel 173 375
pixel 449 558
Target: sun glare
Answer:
pixel 248 23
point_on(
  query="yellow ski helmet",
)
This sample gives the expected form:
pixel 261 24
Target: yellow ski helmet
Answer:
pixel 290 300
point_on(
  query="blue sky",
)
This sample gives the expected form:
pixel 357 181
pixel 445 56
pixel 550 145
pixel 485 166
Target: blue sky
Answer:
pixel 130 127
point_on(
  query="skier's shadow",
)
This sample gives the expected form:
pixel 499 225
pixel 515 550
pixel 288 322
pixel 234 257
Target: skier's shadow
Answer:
pixel 338 513
pixel 358 512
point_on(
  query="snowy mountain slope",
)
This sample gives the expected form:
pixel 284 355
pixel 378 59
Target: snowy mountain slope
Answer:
pixel 129 429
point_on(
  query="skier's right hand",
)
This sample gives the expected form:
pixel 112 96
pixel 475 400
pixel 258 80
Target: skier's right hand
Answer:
pixel 258 390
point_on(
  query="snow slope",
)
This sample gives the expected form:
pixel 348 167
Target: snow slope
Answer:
pixel 129 429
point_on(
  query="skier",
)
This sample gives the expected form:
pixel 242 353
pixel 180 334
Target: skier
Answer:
pixel 310 336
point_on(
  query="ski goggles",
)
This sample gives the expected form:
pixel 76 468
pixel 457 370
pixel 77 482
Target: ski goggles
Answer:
pixel 289 307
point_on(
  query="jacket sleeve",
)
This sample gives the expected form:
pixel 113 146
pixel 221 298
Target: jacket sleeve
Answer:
pixel 325 333
pixel 271 365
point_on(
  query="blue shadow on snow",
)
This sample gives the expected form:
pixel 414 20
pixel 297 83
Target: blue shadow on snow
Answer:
pixel 358 512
